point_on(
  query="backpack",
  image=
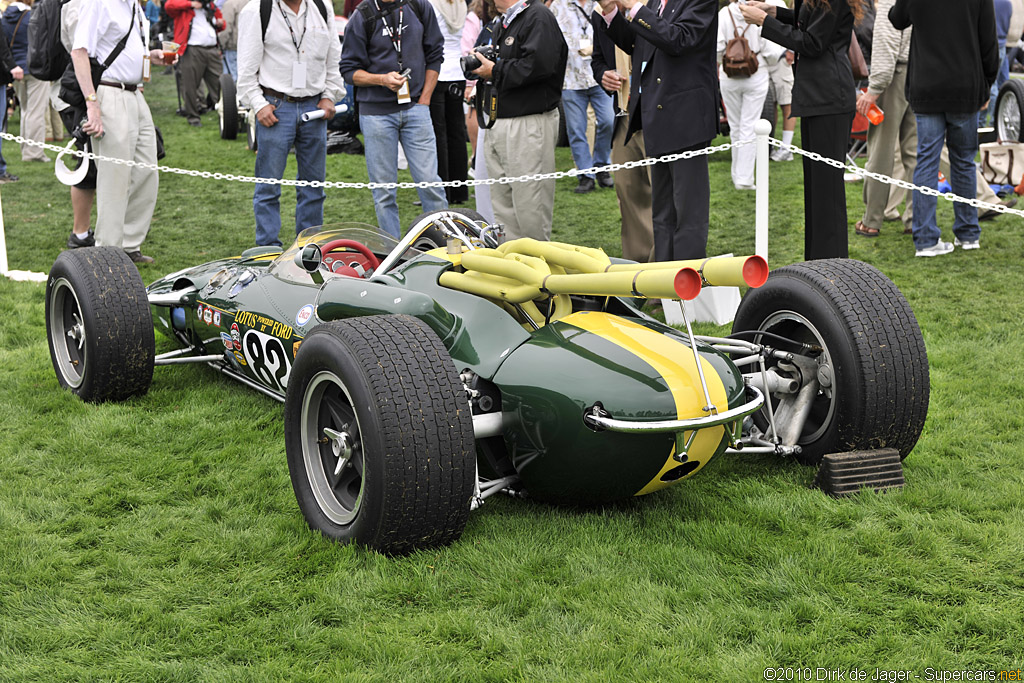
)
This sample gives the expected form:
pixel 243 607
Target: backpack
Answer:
pixel 739 60
pixel 265 14
pixel 47 57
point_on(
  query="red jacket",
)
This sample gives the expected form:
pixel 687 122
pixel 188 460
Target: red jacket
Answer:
pixel 182 13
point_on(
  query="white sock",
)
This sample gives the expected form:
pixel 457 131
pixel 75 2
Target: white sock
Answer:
pixel 787 137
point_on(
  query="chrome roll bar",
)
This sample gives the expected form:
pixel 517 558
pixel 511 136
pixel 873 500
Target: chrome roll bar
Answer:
pixel 443 219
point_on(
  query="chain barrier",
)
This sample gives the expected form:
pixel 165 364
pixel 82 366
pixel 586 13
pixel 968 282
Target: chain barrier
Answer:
pixel 864 173
pixel 571 173
pixel 335 184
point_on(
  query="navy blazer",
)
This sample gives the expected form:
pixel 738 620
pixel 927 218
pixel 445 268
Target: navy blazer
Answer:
pixel 675 78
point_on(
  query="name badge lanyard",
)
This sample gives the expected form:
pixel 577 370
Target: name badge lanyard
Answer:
pixel 299 67
pixel 393 34
pixel 288 22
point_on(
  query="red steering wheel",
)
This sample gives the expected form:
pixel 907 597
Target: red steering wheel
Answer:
pixel 369 260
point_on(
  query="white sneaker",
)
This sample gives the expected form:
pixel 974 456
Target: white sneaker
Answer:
pixel 738 186
pixel 781 154
pixel 938 249
pixel 967 245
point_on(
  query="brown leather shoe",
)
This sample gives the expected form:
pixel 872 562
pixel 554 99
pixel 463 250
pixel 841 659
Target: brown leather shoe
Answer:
pixel 138 257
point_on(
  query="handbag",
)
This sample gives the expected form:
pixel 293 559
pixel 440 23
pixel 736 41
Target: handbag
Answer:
pixel 1002 163
pixel 857 63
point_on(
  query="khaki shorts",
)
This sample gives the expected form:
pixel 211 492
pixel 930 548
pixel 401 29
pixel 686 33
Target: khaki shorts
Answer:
pixel 781 75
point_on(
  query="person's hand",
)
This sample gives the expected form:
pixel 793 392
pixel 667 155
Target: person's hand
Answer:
pixel 607 5
pixel 864 102
pixel 467 95
pixel 18 73
pixel 157 57
pixel 626 5
pixel 984 106
pixel 93 123
pixel 266 116
pixel 753 15
pixel 611 80
pixel 763 6
pixel 327 106
pixel 392 81
pixel 790 57
pixel 486 66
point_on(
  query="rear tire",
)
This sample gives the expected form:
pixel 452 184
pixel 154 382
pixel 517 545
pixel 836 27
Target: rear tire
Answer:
pixel 872 347
pixel 99 325
pixel 381 392
pixel 228 109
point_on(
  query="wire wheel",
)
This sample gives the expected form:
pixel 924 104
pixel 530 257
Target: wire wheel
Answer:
pixel 1009 105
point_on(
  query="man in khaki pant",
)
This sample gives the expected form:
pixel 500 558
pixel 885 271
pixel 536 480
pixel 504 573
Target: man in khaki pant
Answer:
pixel 527 81
pixel 118 118
pixel 890 52
pixel 632 185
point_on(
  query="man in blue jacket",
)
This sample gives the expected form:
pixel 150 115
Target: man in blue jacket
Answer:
pixel 392 54
pixel 672 99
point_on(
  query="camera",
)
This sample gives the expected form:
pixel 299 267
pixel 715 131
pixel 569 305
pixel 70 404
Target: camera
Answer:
pixel 470 63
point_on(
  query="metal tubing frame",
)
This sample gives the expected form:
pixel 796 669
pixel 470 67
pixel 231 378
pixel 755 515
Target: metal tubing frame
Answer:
pixel 414 234
pixel 661 426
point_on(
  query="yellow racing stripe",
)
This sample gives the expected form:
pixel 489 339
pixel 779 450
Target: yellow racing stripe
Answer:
pixel 674 361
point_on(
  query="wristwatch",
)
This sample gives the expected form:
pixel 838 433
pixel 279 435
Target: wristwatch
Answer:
pixel 91 98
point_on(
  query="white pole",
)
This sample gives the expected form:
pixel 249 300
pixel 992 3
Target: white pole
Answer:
pixel 14 274
pixel 761 129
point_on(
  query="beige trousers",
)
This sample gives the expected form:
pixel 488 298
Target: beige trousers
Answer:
pixel 125 196
pixel 523 145
pixel 34 96
pixel 633 189
pixel 898 131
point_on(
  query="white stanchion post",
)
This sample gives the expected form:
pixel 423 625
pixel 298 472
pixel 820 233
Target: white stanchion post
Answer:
pixel 761 129
pixel 14 274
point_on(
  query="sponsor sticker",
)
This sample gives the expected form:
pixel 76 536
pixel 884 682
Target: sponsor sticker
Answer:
pixel 295 348
pixel 236 336
pixel 216 318
pixel 208 316
pixel 229 343
pixel 240 357
pixel 199 312
pixel 305 313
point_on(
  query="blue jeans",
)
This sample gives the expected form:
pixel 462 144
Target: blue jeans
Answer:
pixel 960 133
pixel 574 104
pixel 272 146
pixel 381 135
pixel 231 64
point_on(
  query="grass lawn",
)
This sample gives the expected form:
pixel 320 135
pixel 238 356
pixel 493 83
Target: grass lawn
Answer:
pixel 160 540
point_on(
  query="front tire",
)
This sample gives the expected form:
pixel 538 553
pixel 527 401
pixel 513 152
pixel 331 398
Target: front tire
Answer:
pixel 379 435
pixel 872 357
pixel 99 325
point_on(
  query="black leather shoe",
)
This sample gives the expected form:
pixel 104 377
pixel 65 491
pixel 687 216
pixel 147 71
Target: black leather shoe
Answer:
pixel 74 241
pixel 604 179
pixel 138 257
pixel 586 185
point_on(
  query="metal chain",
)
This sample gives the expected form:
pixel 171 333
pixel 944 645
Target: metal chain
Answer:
pixel 380 186
pixel 886 180
pixel 571 173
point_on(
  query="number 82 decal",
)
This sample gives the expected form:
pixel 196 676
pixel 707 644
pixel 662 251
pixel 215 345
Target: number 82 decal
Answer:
pixel 267 358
